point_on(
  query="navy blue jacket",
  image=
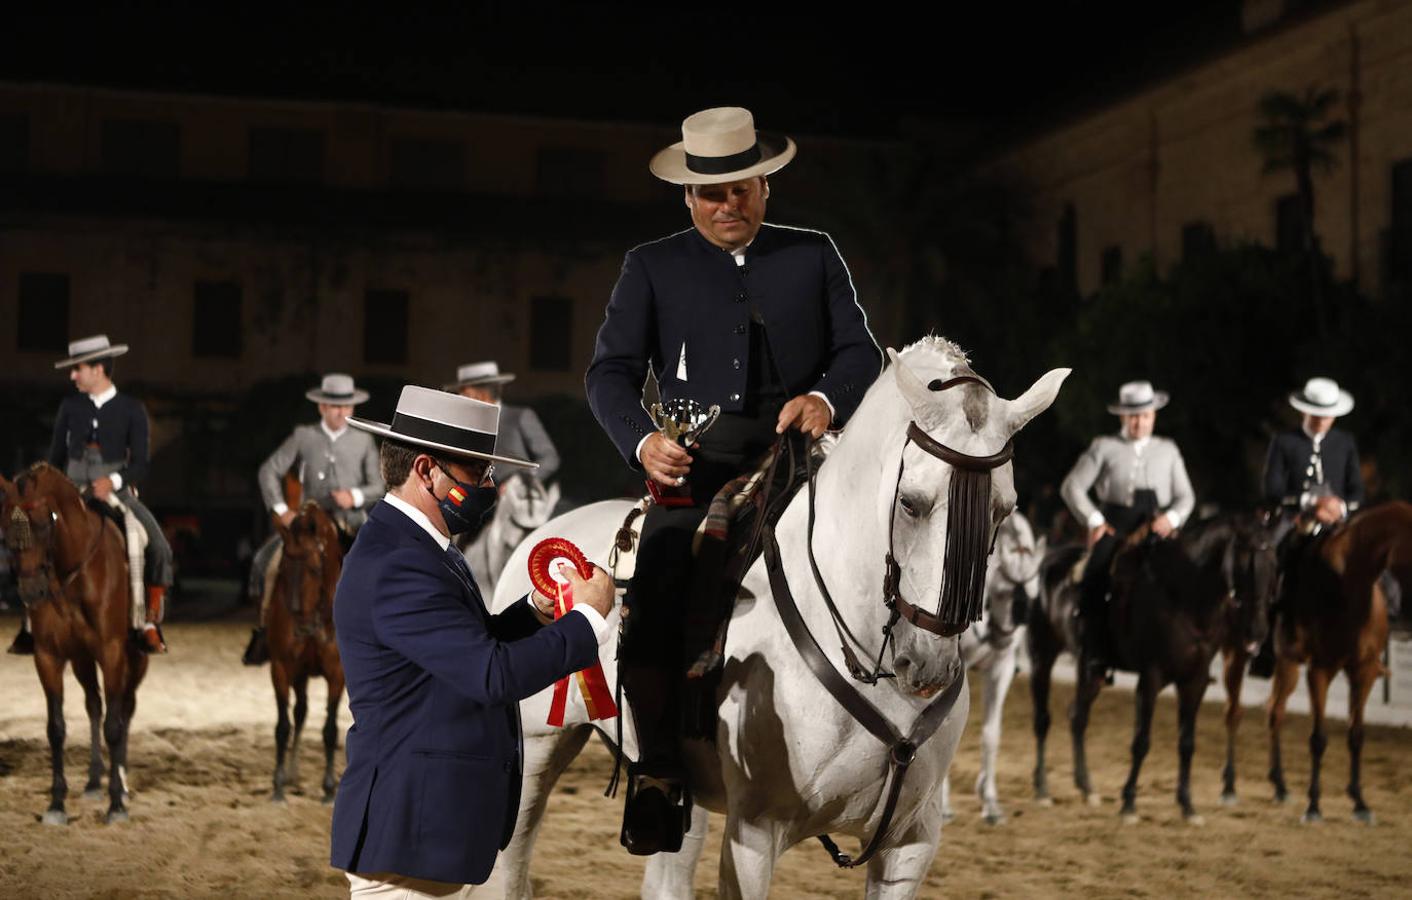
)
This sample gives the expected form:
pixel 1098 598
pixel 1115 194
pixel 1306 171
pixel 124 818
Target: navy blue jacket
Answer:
pixel 122 433
pixel 432 785
pixel 1287 466
pixel 682 296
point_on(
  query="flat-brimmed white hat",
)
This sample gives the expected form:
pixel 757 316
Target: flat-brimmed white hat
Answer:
pixel 478 373
pixel 720 145
pixel 1322 397
pixel 338 389
pixel 1136 397
pixel 90 348
pixel 443 423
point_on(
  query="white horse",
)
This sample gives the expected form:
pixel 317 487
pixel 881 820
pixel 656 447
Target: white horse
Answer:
pixel 990 647
pixel 789 762
pixel 524 505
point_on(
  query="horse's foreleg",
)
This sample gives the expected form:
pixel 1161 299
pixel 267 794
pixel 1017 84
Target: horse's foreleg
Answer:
pixel 281 684
pixel 1086 690
pixel 1286 674
pixel 1318 694
pixel 947 813
pixel 86 672
pixel 1233 674
pixel 335 696
pixel 1041 668
pixel 546 758
pixel 119 696
pixel 1145 700
pixel 997 685
pixel 897 872
pixel 1189 694
pixel 669 876
pixel 1360 684
pixel 301 712
pixel 749 850
pixel 51 678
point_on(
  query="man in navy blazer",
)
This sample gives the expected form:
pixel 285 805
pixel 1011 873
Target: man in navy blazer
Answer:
pixel 760 320
pixel 431 790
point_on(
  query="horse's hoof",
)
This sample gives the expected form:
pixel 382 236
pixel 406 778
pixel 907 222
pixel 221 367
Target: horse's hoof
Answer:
pixel 328 799
pixel 96 793
pixel 55 817
pixel 116 816
pixel 1045 801
pixel 995 818
pixel 1229 798
pixel 1130 817
pixel 1311 817
pixel 1093 799
pixel 278 800
pixel 1364 815
pixel 1281 797
pixel 1195 820
pixel 947 817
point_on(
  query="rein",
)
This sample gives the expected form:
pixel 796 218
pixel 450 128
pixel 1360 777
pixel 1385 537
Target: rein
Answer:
pixel 963 583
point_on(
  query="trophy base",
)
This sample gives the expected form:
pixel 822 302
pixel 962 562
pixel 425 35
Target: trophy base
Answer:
pixel 662 495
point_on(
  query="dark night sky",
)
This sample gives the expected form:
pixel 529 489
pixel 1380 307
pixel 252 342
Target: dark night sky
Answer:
pixel 864 70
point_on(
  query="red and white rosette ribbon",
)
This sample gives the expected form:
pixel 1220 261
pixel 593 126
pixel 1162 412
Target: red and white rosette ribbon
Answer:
pixel 544 562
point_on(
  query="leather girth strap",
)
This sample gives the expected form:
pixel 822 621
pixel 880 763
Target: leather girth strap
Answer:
pixel 902 749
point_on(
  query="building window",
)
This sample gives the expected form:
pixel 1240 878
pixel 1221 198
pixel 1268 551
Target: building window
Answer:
pixel 44 312
pixel 1198 239
pixel 14 143
pixel 1067 256
pixel 1399 247
pixel 1289 224
pixel 569 171
pixel 551 334
pixel 286 155
pixel 1112 264
pixel 428 164
pixel 215 320
pixel 141 148
pixel 385 327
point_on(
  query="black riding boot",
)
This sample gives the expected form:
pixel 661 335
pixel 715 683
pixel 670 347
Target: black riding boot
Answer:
pixel 658 808
pixel 23 644
pixel 257 652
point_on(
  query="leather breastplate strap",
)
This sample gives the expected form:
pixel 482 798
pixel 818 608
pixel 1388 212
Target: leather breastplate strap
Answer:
pixel 902 748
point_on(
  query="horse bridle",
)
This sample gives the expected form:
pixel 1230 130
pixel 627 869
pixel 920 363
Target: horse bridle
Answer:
pixel 965 601
pixel 45 583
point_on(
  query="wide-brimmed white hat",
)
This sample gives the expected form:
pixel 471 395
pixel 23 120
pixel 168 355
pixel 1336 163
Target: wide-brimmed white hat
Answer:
pixel 720 145
pixel 90 348
pixel 479 373
pixel 338 389
pixel 1136 397
pixel 444 423
pixel 1322 397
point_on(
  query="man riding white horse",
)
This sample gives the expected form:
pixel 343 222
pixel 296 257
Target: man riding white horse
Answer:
pixel 758 319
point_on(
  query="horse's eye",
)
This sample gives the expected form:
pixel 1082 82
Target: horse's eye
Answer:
pixel 908 507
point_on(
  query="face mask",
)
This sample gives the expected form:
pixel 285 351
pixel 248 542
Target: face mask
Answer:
pixel 466 506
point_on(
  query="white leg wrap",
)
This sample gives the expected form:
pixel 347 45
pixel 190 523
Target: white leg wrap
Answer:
pixel 136 547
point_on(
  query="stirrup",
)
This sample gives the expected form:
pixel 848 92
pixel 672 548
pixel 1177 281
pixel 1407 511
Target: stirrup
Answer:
pixel 149 638
pixel 257 652
pixel 656 814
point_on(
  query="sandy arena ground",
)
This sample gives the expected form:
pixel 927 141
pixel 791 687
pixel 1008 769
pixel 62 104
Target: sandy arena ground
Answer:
pixel 202 824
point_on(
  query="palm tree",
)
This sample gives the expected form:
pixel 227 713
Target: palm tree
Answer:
pixel 1296 135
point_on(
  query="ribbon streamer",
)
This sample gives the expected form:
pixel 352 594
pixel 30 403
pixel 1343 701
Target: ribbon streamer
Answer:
pixel 592 683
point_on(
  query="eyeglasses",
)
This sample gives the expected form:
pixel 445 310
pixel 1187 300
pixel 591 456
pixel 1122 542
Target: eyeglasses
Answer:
pixel 487 478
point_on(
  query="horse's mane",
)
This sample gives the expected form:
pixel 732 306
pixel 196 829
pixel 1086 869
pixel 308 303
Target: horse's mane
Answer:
pixel 937 350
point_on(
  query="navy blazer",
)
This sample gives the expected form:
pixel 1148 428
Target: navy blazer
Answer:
pixel 432 785
pixel 122 433
pixel 683 296
pixel 1287 466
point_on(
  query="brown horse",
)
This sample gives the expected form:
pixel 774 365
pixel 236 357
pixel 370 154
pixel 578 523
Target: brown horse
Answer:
pixel 1256 573
pixel 301 637
pixel 73 579
pixel 1334 618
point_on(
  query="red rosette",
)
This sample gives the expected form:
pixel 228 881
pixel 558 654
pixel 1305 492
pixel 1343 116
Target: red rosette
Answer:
pixel 543 557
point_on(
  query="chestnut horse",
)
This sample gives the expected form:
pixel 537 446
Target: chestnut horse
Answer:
pixel 301 637
pixel 1333 617
pixel 73 579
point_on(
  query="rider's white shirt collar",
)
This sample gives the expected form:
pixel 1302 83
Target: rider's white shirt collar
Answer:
pixel 1138 444
pixel 104 397
pixel 416 515
pixel 333 435
pixel 1316 438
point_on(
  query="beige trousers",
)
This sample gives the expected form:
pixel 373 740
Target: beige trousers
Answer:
pixel 390 886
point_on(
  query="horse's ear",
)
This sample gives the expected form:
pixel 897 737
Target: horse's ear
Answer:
pixel 1041 546
pixel 1037 399
pixel 551 497
pixel 922 401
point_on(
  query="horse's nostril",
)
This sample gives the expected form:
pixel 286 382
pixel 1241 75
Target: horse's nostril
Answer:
pixel 903 663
